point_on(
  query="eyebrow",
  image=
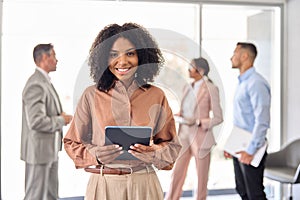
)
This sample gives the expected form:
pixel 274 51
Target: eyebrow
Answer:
pixel 131 49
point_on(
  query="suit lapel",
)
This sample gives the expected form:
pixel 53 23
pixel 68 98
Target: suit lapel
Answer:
pixel 185 92
pixel 202 91
pixel 52 91
pixel 56 98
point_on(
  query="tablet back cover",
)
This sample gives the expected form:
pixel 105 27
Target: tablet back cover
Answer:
pixel 126 136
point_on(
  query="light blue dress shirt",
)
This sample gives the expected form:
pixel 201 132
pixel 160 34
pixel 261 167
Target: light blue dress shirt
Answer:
pixel 252 107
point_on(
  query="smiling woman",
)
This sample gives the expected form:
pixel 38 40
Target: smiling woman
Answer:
pixel 123 60
pixel 118 48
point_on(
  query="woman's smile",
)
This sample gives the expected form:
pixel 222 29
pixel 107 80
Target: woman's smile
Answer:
pixel 123 61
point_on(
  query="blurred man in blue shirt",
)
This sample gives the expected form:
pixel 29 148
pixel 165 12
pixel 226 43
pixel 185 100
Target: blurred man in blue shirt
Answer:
pixel 252 113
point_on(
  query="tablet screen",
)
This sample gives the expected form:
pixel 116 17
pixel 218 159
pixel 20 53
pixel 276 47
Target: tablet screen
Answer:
pixel 126 136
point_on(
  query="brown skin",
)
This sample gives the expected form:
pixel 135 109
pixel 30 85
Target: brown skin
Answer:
pixel 123 63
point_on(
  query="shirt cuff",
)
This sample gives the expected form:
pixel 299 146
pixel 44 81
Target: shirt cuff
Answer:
pixel 251 150
pixel 61 121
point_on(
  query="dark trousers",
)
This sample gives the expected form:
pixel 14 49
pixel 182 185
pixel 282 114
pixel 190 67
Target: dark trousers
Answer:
pixel 249 180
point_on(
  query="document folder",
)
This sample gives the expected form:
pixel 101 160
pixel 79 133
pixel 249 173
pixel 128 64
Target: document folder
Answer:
pixel 239 140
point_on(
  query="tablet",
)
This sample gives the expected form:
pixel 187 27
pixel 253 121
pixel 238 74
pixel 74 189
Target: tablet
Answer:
pixel 126 136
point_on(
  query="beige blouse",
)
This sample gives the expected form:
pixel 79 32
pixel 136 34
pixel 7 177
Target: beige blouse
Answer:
pixel 138 106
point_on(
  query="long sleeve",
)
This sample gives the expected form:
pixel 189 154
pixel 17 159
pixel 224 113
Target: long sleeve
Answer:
pixel 97 109
pixel 79 135
pixel 167 137
pixel 260 101
pixel 215 107
pixel 35 98
pixel 252 107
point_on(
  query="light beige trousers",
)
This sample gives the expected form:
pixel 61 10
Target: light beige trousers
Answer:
pixel 136 186
pixel 180 170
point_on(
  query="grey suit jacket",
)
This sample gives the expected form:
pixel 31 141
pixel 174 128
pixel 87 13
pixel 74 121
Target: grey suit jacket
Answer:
pixel 41 124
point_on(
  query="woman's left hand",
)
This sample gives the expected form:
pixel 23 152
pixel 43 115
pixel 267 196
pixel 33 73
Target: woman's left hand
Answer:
pixel 144 153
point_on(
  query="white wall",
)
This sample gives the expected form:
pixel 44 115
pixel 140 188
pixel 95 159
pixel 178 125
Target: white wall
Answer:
pixel 292 71
pixel 292 82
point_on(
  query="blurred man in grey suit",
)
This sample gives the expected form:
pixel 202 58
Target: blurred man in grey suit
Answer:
pixel 42 123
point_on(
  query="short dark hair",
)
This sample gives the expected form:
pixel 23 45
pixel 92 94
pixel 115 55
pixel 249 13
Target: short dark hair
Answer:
pixel 41 49
pixel 150 58
pixel 251 48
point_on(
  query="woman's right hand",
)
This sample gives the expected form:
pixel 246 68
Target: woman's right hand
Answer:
pixel 108 153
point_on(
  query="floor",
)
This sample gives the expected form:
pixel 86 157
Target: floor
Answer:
pixel 215 197
pixel 223 197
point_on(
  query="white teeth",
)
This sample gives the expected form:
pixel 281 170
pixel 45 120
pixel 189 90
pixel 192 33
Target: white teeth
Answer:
pixel 122 70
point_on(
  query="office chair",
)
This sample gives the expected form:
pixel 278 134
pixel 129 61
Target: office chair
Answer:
pixel 284 165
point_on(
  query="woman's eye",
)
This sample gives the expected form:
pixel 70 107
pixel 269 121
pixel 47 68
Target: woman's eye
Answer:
pixel 131 53
pixel 113 55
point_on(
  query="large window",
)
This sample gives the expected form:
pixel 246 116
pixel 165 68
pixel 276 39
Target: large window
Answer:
pixel 183 31
pixel 222 27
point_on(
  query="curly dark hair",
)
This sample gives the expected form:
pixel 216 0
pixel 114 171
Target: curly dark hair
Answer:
pixel 150 58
